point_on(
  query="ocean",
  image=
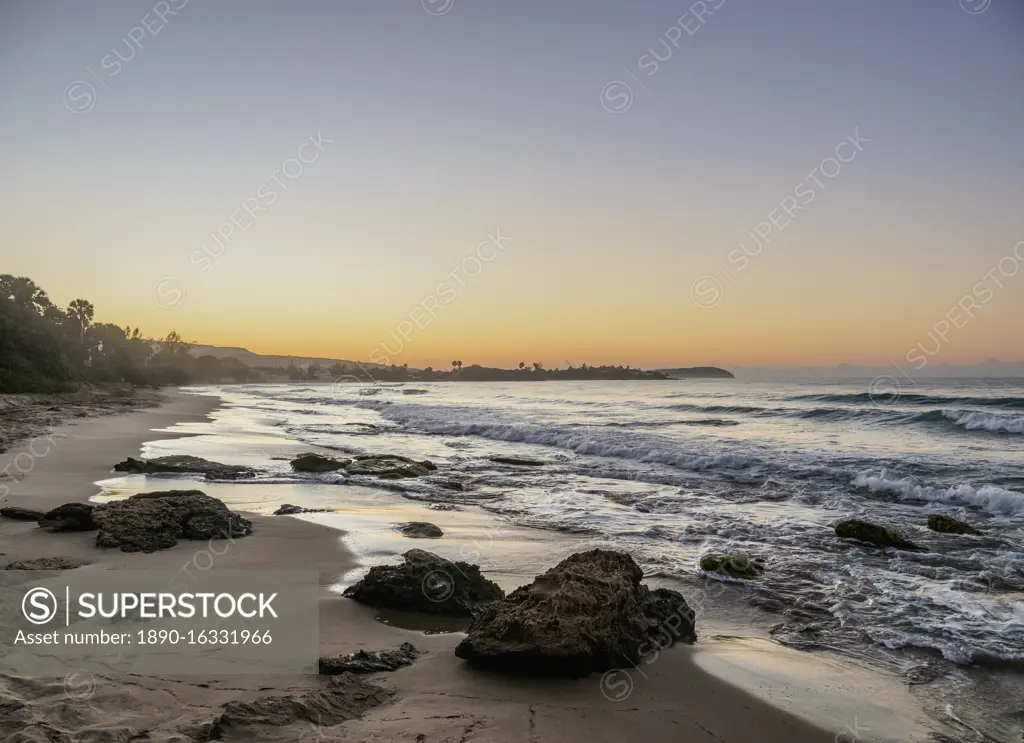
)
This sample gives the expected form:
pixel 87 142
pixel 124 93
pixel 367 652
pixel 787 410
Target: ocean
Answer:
pixel 672 470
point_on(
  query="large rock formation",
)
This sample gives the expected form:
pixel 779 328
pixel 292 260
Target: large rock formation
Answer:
pixel 186 465
pixel 427 583
pixel 389 466
pixel 318 463
pixel 949 525
pixel 865 531
pixel 588 613
pixel 147 522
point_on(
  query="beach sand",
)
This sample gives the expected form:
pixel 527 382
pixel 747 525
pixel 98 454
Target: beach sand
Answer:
pixel 723 690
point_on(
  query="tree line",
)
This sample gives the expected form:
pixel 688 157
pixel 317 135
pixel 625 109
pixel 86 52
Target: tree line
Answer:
pixel 46 348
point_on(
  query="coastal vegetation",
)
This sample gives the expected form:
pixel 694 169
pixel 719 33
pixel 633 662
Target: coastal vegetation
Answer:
pixel 47 348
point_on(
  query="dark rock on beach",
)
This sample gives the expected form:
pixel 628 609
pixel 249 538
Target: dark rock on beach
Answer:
pixel 20 514
pixel 389 466
pixel 318 463
pixel 370 661
pixel 865 531
pixel 733 566
pixel 949 525
pixel 69 517
pixel 147 522
pixel 588 613
pixel 288 509
pixel 426 583
pixel 48 563
pixel 185 465
pixel 518 461
pixel 345 697
pixel 419 530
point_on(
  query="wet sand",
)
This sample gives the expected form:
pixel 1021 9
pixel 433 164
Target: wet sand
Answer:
pixel 717 691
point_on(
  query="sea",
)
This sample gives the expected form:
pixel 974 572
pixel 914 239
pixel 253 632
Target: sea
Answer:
pixel 671 470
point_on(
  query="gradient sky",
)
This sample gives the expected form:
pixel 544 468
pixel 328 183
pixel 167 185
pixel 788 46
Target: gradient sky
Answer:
pixel 448 126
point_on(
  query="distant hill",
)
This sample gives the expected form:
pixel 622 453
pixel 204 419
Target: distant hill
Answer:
pixel 698 372
pixel 249 358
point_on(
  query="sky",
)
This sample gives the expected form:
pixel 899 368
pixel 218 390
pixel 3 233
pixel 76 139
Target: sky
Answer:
pixel 727 182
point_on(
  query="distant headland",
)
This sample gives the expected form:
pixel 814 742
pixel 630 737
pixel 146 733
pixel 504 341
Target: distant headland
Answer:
pixel 698 372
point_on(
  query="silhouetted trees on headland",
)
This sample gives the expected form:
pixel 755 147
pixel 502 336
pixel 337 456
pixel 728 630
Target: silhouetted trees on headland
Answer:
pixel 44 348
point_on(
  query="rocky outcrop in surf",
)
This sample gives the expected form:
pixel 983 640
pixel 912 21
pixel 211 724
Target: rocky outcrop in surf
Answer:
pixel 389 466
pixel 318 463
pixel 949 525
pixel 589 613
pixel 732 566
pixel 865 531
pixel 185 465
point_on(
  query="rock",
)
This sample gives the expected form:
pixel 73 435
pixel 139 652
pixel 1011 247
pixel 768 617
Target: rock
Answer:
pixel 419 530
pixel 20 514
pixel 48 563
pixel 186 465
pixel 345 697
pixel 426 583
pixel 318 463
pixel 414 392
pixel 865 531
pixel 443 507
pixel 147 522
pixel 69 517
pixel 520 461
pixel 733 566
pixel 389 466
pixel 363 661
pixel 948 525
pixel 288 509
pixel 588 613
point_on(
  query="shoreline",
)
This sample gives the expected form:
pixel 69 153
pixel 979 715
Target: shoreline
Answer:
pixel 680 694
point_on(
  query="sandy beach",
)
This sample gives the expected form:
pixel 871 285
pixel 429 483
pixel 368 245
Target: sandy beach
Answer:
pixel 724 689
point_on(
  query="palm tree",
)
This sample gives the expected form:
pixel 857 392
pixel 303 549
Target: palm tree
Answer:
pixel 82 311
pixel 522 364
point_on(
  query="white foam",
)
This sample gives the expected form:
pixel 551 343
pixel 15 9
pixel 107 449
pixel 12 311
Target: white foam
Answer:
pixel 990 498
pixel 974 421
pixel 447 421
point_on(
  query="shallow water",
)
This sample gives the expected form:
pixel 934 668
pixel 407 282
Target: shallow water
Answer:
pixel 671 470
